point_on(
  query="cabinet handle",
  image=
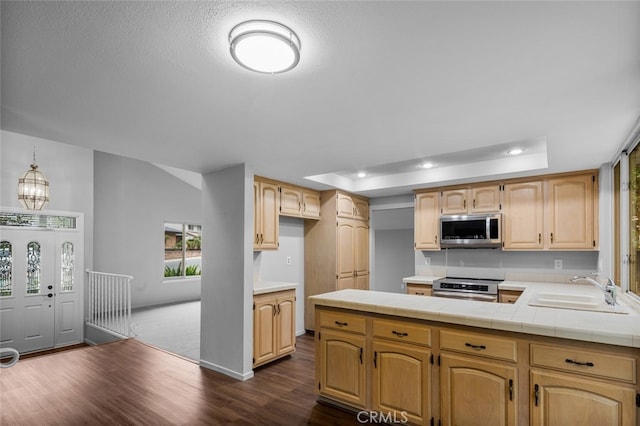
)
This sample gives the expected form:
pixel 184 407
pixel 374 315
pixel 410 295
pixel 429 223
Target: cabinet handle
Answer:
pixel 474 203
pixel 536 394
pixel 586 364
pixel 274 310
pixel 552 238
pixel 539 238
pixel 360 355
pixel 399 334
pixel 469 345
pixel 257 239
pixel 436 239
pixel 420 294
pixel 375 358
pixel 341 324
pixel 510 389
pixel 355 273
pixel 278 313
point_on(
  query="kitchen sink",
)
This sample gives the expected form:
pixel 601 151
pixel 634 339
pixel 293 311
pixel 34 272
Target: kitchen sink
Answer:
pixel 574 301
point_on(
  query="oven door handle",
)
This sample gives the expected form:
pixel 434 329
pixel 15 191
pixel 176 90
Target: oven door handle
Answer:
pixel 460 295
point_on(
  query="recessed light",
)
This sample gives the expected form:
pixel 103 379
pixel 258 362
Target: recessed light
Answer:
pixel 361 174
pixel 515 151
pixel 264 46
pixel 427 165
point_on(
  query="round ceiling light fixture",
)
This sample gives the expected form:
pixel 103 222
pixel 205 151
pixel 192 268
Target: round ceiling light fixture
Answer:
pixel 427 165
pixel 266 47
pixel 515 151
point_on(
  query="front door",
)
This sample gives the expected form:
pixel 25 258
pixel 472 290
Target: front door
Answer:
pixel 27 289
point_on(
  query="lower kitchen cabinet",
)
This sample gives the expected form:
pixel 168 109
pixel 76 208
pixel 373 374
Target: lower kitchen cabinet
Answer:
pixel 341 369
pixel 419 289
pixel 401 378
pixel 274 330
pixel 477 392
pixel 564 400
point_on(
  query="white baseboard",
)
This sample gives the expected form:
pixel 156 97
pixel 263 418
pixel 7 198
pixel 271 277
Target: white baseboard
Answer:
pixel 226 371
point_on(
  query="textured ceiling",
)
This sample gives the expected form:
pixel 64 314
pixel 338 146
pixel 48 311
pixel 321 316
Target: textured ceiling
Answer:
pixel 378 82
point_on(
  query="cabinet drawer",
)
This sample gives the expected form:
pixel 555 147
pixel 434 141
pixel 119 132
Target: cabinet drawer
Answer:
pixel 402 331
pixel 419 289
pixel 343 321
pixel 479 344
pixel 581 361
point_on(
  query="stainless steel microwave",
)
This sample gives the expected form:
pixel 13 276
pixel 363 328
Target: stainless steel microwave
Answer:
pixel 471 231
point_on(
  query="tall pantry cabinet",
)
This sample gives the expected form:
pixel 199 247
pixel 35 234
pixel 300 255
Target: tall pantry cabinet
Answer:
pixel 336 248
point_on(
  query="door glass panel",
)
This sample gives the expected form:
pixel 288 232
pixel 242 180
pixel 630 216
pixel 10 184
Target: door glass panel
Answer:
pixel 6 267
pixel 634 222
pixel 33 268
pixel 66 270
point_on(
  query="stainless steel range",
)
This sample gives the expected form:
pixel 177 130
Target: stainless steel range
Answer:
pixel 485 290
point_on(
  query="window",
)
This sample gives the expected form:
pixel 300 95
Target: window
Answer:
pixel 66 270
pixel 182 242
pixel 6 268
pixel 33 268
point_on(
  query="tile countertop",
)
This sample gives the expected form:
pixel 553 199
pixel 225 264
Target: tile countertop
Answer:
pixel 420 279
pixel 262 287
pixel 609 328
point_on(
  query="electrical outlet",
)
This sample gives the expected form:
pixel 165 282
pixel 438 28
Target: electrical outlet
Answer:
pixel 402 286
pixel 288 260
pixel 427 261
pixel 557 263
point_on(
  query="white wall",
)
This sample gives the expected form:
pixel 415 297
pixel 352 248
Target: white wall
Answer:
pixel 133 201
pixel 226 330
pixel 69 170
pixel 271 265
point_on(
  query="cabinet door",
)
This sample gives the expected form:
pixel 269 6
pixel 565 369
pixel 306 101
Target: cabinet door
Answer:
pixel 485 199
pixel 290 201
pixel 286 324
pixel 266 220
pixel 476 392
pixel 454 201
pixel 310 204
pixel 427 221
pixel 264 332
pixel 361 248
pixel 360 209
pixel 341 369
pixel 345 258
pixel 563 400
pixel 523 216
pixel 344 206
pixel 570 213
pixel 401 381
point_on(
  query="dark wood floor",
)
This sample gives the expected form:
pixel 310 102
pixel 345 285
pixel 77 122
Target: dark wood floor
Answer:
pixel 130 383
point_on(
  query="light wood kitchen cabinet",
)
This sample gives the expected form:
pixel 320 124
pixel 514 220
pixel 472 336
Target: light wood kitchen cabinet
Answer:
pixel 273 326
pixel 401 379
pixel 523 218
pixel 477 392
pixel 508 296
pixel 299 202
pixel 427 220
pixel 340 365
pixel 564 400
pixel 266 205
pixel 336 249
pixel 571 213
pixel 470 200
pixel 419 289
pixel 350 206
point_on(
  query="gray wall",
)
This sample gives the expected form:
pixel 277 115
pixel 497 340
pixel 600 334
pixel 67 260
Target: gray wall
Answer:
pixel 226 330
pixel 68 169
pixel 133 201
pixel 271 265
pixel 393 259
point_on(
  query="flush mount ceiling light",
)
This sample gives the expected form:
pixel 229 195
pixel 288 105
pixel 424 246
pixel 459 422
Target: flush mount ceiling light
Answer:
pixel 427 165
pixel 266 47
pixel 515 151
pixel 362 174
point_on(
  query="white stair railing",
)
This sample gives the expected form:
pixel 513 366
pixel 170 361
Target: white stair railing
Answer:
pixel 110 302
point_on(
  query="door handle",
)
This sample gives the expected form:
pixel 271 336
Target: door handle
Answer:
pixel 50 287
pixel 50 295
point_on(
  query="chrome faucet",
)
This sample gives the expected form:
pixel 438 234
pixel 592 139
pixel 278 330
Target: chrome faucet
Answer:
pixel 609 289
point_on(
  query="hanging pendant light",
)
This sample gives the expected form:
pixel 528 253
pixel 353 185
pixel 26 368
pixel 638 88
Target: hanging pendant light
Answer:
pixel 33 187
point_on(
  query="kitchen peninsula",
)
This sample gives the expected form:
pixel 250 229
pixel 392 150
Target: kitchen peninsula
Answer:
pixel 456 361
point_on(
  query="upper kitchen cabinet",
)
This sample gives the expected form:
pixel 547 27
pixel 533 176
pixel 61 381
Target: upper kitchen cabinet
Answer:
pixel 522 222
pixel 469 200
pixel 351 206
pixel 572 212
pixel 299 202
pixel 427 220
pixel 559 212
pixel 266 205
pixel 336 248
